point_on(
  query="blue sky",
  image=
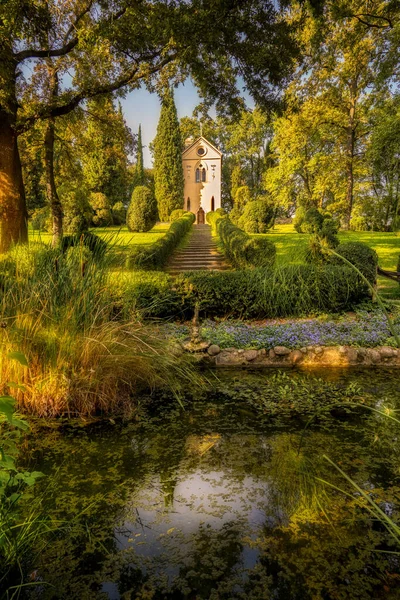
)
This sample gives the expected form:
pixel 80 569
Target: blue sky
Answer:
pixel 142 107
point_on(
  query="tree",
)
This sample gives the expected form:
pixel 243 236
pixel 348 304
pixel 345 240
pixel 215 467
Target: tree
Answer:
pixel 168 171
pixel 139 177
pixel 114 44
pixel 142 211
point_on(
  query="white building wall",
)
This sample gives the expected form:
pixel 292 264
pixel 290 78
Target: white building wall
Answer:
pixel 201 193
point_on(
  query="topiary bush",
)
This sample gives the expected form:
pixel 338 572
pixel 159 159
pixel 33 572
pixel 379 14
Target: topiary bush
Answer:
pixel 242 250
pixel 257 217
pixel 235 215
pixel 142 210
pixel 102 215
pixel 212 218
pixel 177 214
pixel 361 256
pixel 156 255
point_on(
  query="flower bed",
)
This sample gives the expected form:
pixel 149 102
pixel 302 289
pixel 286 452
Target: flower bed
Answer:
pixel 365 330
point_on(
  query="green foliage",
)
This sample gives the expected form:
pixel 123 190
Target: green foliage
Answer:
pixel 147 294
pixel 78 213
pixel 92 242
pixel 102 215
pixel 361 256
pixel 212 218
pixel 243 251
pixel 168 172
pixel 258 216
pixel 242 197
pixel 177 214
pixel 142 211
pixel 118 213
pixel 299 219
pixel 287 291
pixel 156 255
pixel 235 215
pixel 40 219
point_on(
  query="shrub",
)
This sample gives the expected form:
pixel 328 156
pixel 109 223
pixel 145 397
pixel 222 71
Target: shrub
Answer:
pixel 78 213
pixel 119 213
pixel 235 215
pixel 361 256
pixel 93 242
pixel 149 294
pixel 156 255
pixel 242 250
pixel 142 211
pixel 102 215
pixel 242 197
pixel 312 221
pixel 212 218
pixel 177 214
pixel 257 217
pixel 264 293
pixel 299 219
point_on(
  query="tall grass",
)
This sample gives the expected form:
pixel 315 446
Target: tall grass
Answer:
pixel 55 307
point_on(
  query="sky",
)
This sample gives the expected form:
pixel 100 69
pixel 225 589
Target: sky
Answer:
pixel 140 106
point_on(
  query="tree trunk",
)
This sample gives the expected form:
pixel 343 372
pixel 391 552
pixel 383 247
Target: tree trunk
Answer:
pixel 13 213
pixel 51 190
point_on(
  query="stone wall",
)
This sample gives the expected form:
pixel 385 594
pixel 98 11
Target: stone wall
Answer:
pixel 310 356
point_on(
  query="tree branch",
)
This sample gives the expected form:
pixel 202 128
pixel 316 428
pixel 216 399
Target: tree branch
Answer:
pixel 71 102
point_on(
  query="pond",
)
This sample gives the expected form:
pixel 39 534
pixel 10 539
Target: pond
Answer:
pixel 240 494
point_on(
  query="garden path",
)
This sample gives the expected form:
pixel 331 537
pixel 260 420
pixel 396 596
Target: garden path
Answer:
pixel 200 253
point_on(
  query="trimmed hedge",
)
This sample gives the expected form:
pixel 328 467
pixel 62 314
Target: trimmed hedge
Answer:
pixel 156 255
pixel 242 250
pixel 361 256
pixel 177 214
pixel 264 293
pixel 151 294
pixel 142 210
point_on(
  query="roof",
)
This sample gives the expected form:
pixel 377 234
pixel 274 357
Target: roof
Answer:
pixel 202 138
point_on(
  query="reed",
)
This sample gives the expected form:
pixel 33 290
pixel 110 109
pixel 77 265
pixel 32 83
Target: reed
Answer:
pixel 56 308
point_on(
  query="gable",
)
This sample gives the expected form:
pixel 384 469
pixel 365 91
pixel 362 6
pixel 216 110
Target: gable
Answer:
pixel 211 152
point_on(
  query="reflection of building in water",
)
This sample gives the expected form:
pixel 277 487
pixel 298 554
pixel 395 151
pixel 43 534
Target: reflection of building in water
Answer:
pixel 202 164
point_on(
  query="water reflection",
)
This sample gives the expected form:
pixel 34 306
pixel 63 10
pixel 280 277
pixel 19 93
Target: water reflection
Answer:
pixel 213 503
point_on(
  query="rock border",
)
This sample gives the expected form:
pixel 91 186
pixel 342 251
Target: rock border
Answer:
pixel 310 356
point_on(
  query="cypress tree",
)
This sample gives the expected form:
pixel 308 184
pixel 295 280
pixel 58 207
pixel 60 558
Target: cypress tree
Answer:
pixel 168 171
pixel 139 159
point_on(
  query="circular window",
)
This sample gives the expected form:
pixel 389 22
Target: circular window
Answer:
pixel 201 151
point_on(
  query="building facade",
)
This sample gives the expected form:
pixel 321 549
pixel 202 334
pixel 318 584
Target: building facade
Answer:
pixel 202 169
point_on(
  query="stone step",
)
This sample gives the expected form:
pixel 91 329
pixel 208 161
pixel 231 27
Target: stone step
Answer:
pixel 200 254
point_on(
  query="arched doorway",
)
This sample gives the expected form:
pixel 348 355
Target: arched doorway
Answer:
pixel 200 216
pixel 212 203
pixel 188 204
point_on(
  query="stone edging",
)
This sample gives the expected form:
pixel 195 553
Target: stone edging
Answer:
pixel 310 356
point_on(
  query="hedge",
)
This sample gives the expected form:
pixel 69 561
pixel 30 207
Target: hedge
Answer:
pixel 156 255
pixel 151 294
pixel 242 250
pixel 361 256
pixel 264 293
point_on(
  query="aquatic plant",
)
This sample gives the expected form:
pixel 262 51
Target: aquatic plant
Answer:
pixel 56 307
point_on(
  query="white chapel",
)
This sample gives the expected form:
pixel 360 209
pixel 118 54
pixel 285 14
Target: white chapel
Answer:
pixel 202 164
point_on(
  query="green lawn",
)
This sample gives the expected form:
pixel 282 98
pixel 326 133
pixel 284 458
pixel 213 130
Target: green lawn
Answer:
pixel 291 246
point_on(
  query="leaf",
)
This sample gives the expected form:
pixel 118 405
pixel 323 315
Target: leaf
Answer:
pixel 17 386
pixel 19 357
pixel 171 530
pixel 7 407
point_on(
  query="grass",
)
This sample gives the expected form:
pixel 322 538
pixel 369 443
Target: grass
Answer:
pixel 81 360
pixel 120 239
pixel 291 247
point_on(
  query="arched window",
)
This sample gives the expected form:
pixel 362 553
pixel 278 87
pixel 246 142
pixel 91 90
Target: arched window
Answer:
pixel 203 174
pixel 212 203
pixel 197 175
pixel 188 204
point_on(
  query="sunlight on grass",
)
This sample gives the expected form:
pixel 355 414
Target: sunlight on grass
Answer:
pixel 291 247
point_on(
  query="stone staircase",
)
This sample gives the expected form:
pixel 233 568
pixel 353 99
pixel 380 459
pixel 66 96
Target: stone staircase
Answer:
pixel 200 253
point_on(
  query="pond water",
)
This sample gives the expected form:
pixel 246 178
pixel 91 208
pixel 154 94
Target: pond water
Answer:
pixel 236 496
